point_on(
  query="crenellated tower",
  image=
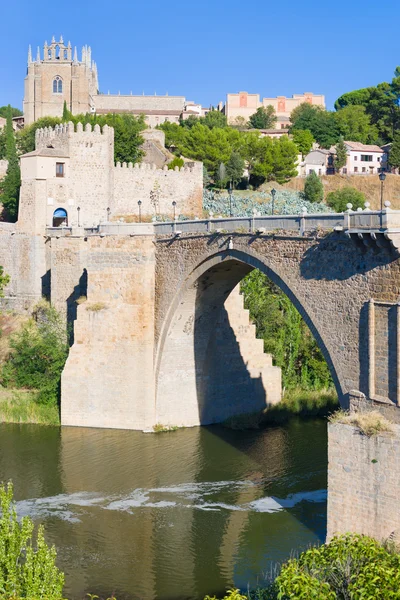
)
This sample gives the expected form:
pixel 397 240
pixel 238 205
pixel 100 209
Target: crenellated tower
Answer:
pixel 59 77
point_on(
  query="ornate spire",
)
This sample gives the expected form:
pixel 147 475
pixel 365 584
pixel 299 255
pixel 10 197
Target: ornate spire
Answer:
pixel 89 57
pixel 69 44
pixel 61 39
pixel 75 55
pixel 53 40
pixel 84 54
pixel 29 55
pixel 38 55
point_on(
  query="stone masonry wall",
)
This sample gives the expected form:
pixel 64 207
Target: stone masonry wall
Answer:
pixel 133 183
pixel 3 168
pixel 363 482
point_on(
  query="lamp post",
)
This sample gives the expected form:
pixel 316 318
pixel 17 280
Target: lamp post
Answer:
pixel 108 214
pixel 78 208
pixel 382 177
pixel 174 207
pixel 230 198
pixel 273 194
pixel 140 210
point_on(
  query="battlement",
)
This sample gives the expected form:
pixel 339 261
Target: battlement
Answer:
pixel 62 134
pixel 187 168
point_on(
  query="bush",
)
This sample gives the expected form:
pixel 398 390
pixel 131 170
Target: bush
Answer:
pixel 26 571
pixel 38 354
pixel 369 423
pixel 338 200
pixel 350 566
pixel 176 162
pixel 313 188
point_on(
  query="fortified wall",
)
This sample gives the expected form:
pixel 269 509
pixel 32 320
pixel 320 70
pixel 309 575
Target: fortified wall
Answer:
pixel 3 168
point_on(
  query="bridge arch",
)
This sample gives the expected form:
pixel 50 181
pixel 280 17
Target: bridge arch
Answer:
pixel 193 342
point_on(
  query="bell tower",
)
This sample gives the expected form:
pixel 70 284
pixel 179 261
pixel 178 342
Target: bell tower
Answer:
pixel 59 77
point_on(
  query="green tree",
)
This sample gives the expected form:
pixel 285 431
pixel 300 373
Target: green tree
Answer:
pixel 304 140
pixel 176 162
pixel 394 153
pixel 355 124
pixel 188 123
pixel 15 112
pixel 37 355
pixel 320 122
pixel 67 115
pixel 26 136
pixel 234 168
pixel 221 178
pixel 284 153
pixel 313 188
pixel 341 155
pixel 10 185
pixel 357 98
pixel 214 118
pixel 285 334
pixel 4 280
pixel 339 199
pixel 263 118
pixel 27 568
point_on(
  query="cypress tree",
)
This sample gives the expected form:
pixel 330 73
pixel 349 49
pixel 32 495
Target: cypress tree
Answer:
pixel 10 186
pixel 66 116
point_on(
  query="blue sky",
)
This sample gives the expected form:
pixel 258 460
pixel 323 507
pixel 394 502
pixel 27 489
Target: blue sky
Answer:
pixel 203 50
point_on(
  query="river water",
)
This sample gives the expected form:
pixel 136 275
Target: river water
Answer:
pixel 171 515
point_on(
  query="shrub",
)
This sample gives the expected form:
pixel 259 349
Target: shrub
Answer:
pixel 38 354
pixel 369 423
pixel 96 306
pixel 26 570
pixel 176 162
pixel 338 200
pixel 350 566
pixel 313 188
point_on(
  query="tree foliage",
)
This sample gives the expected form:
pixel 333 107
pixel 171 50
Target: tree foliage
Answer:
pixel 355 125
pixel 394 153
pixel 4 280
pixel 234 168
pixel 304 140
pixel 263 118
pixel 27 568
pixel 15 112
pixel 350 566
pixel 38 354
pixel 339 199
pixel 340 155
pixel 313 188
pixel 321 123
pixel 10 185
pixel 285 334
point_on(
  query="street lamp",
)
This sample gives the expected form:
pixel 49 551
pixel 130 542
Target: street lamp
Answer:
pixel 382 177
pixel 174 206
pixel 230 198
pixel 78 208
pixel 140 210
pixel 273 194
pixel 108 214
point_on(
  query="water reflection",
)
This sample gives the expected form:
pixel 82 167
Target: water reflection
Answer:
pixel 172 515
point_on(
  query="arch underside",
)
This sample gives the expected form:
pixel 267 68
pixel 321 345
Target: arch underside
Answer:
pixel 201 376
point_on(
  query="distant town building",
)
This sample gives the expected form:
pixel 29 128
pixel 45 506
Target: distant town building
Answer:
pixel 317 161
pixel 243 105
pixel 61 77
pixel 363 159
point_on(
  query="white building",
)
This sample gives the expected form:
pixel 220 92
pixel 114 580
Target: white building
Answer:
pixel 363 159
pixel 317 161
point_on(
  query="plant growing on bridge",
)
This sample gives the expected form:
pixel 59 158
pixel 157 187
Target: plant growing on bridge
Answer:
pixel 38 354
pixel 27 569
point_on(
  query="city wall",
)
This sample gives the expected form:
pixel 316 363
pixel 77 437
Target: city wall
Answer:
pixel 157 189
pixel 3 168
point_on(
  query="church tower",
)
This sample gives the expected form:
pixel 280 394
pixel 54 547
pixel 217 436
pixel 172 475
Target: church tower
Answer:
pixel 59 77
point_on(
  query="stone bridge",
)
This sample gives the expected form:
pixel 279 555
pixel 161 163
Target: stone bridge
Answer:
pixel 153 342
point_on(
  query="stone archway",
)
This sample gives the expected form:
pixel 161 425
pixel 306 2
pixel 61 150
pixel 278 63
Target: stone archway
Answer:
pixel 201 377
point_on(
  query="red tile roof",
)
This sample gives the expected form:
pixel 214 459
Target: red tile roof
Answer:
pixel 363 147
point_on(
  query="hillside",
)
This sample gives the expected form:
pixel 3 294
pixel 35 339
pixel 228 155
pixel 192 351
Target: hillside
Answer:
pixel 370 185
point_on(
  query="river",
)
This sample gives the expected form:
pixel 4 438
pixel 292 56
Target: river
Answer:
pixel 170 515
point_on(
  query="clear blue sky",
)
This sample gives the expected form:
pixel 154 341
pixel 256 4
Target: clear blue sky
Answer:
pixel 203 50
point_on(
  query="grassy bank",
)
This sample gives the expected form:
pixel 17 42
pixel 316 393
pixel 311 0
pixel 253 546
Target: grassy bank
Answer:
pixel 295 403
pixel 18 406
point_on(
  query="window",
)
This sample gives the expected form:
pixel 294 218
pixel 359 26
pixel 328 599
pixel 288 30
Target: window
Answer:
pixel 60 169
pixel 57 85
pixel 363 169
pixel 344 170
pixel 366 157
pixel 355 169
pixel 379 159
pixel 60 218
pixel 355 158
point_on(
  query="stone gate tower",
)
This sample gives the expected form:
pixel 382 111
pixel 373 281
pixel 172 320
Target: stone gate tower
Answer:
pixel 59 77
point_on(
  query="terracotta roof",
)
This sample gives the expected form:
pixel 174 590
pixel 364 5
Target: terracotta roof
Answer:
pixel 363 147
pixel 271 130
